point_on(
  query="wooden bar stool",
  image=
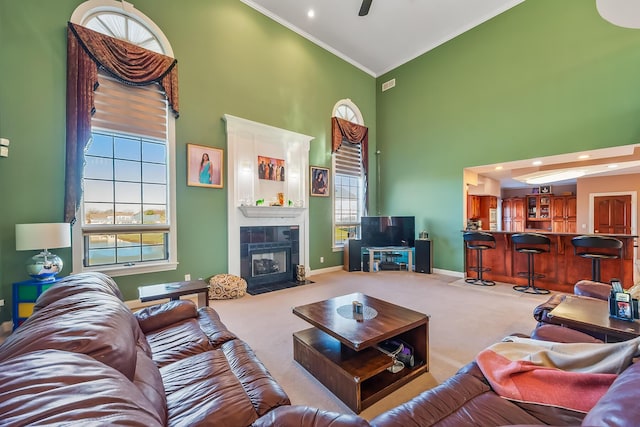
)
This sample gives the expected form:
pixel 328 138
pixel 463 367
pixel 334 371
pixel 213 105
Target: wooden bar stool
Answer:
pixel 479 242
pixel 597 248
pixel 531 244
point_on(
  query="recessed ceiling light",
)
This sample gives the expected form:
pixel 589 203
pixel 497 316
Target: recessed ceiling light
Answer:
pixel 583 156
pixel 612 166
pixel 537 163
pixel 498 168
pixel 311 13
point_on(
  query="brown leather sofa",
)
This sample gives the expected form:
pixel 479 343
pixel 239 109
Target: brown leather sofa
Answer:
pixel 466 399
pixel 83 358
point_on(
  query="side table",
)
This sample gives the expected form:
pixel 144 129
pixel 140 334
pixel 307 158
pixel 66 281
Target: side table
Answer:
pixel 24 296
pixel 174 290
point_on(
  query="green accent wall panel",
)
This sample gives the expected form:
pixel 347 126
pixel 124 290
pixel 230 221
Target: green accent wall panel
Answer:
pixel 546 77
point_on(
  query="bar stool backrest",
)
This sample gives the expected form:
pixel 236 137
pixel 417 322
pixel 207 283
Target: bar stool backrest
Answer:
pixel 525 241
pixel 479 238
pixel 591 245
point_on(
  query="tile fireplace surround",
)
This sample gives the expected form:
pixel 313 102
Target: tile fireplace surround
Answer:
pixel 246 140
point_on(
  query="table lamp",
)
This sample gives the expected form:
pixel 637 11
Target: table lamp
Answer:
pixel 45 265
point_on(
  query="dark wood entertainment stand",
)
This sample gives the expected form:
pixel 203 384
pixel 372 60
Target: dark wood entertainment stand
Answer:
pixel 341 352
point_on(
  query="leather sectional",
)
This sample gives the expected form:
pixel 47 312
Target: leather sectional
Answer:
pixel 83 358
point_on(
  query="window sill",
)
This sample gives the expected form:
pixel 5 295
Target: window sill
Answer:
pixel 115 271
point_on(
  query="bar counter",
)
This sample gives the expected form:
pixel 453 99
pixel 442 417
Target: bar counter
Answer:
pixel 560 266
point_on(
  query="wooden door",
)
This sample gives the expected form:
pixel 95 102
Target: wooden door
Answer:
pixel 612 214
pixel 571 213
pixel 558 209
pixel 517 215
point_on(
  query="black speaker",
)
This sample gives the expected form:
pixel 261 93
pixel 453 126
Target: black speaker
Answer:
pixel 352 255
pixel 424 256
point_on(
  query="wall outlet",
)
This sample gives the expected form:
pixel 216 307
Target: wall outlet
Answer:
pixel 187 277
pixel 321 259
pixel 1 303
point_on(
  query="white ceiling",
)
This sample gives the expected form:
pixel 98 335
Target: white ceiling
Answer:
pixel 394 31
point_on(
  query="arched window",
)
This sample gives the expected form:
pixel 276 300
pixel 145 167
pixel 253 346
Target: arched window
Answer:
pixel 126 219
pixel 348 179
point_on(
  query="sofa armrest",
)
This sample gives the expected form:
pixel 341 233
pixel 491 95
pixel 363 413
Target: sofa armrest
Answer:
pixel 162 315
pixel 589 288
pixel 296 416
pixel 557 333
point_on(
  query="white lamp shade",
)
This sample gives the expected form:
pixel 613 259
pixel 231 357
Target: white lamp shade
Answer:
pixel 42 236
pixel 623 13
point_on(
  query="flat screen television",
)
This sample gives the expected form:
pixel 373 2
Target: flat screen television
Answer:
pixel 388 230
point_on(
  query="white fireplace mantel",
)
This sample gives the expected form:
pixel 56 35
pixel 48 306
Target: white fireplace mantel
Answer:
pixel 246 140
pixel 271 211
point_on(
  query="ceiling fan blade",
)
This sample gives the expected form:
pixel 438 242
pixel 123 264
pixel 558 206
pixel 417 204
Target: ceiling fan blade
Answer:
pixel 364 9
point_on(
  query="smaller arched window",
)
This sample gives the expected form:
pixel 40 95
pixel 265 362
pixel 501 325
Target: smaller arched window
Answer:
pixel 348 179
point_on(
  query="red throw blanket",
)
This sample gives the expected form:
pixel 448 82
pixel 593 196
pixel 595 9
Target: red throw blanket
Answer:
pixel 573 376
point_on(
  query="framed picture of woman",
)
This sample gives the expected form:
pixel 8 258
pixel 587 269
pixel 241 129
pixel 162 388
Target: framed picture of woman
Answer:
pixel 319 181
pixel 204 166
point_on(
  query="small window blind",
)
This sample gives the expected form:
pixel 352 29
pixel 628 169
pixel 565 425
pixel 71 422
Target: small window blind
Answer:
pixel 136 110
pixel 348 159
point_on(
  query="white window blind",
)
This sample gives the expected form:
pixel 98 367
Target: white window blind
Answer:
pixel 348 159
pixel 137 110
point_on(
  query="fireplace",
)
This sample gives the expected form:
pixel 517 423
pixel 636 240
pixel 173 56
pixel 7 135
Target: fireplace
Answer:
pixel 252 216
pixel 268 255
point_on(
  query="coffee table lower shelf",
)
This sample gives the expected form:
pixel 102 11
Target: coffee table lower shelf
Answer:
pixel 358 378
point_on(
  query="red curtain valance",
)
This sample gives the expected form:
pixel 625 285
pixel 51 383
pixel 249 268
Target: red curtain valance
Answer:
pixel 344 130
pixel 86 51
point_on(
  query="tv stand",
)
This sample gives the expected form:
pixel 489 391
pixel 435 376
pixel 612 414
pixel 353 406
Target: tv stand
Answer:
pixel 390 252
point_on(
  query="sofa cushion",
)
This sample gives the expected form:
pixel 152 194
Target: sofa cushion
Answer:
pixel 78 283
pixel 461 400
pixel 149 382
pixel 296 416
pixel 618 407
pixel 232 387
pixel 52 387
pixel 178 341
pixel 162 315
pixel 92 323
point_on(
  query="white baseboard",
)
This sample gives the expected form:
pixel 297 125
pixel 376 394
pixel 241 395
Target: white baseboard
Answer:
pixel 449 272
pixel 325 270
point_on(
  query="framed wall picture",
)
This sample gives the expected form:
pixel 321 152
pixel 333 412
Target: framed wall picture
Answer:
pixel 319 181
pixel 271 169
pixel 204 166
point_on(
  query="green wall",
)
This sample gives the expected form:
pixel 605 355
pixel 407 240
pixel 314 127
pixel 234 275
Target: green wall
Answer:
pixel 543 78
pixel 231 60
pixel 546 77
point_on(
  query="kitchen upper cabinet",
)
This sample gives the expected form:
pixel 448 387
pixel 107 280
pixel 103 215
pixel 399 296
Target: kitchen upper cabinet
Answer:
pixel 513 214
pixel 473 207
pixel 564 210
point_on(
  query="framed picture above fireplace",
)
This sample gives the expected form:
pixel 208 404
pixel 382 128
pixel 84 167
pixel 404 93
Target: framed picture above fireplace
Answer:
pixel 319 181
pixel 204 166
pixel 271 169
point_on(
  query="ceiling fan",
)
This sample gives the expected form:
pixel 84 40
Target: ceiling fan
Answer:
pixel 364 9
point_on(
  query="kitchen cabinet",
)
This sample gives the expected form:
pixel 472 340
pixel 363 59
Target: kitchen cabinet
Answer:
pixel 563 214
pixel 483 210
pixel 473 207
pixel 513 214
pixel 538 213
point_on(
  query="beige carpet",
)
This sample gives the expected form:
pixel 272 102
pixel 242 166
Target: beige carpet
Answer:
pixel 464 319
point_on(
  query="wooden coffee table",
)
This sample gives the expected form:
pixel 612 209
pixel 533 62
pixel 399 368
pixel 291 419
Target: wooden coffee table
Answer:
pixel 591 315
pixel 340 350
